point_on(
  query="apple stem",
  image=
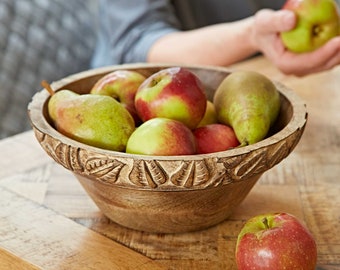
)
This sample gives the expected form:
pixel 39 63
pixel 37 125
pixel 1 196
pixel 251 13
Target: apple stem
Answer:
pixel 265 222
pixel 48 87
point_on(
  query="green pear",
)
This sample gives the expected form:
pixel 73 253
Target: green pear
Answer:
pixel 248 102
pixel 56 98
pixel 96 120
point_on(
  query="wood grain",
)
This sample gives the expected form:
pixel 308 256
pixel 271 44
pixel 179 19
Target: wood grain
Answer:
pixel 51 241
pixel 9 261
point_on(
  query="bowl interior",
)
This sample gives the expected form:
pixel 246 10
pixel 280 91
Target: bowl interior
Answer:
pixel 211 79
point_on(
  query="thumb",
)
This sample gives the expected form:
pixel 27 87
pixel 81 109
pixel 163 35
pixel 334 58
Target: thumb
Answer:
pixel 270 21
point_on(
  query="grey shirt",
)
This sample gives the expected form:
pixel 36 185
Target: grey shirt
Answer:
pixel 129 27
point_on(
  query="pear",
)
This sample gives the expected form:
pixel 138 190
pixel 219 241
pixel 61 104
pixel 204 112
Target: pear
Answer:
pixel 96 120
pixel 61 95
pixel 249 102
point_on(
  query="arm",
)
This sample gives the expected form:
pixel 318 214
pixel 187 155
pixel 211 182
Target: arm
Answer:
pixel 225 44
pixel 220 44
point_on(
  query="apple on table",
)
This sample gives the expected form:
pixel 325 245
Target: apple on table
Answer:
pixel 317 22
pixel 275 241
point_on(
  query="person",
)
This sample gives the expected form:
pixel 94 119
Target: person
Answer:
pixel 210 32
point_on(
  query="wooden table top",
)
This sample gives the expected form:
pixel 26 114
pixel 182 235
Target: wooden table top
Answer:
pixel 47 221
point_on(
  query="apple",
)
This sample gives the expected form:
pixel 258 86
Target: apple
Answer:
pixel 162 137
pixel 122 85
pixel 214 138
pixel 317 22
pixel 275 241
pixel 210 116
pixel 174 93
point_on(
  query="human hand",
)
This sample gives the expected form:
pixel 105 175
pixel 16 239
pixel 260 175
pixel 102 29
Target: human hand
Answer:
pixel 266 36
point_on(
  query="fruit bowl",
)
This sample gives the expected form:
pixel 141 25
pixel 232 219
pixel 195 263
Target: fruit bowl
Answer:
pixel 167 194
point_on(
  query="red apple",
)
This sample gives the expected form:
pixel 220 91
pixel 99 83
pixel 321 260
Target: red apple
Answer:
pixel 275 241
pixel 174 93
pixel 162 137
pixel 317 22
pixel 214 138
pixel 122 85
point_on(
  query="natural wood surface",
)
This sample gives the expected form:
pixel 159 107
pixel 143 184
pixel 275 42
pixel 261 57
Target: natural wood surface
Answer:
pixel 47 221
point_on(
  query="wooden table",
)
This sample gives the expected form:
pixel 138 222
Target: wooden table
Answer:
pixel 47 221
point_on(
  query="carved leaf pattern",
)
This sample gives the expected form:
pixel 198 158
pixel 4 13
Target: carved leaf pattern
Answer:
pixel 221 178
pixel 151 174
pixel 190 174
pixel 79 161
pixel 105 169
pixel 148 173
pixel 254 163
pixel 277 153
pixel 56 150
pixel 247 165
pixel 75 155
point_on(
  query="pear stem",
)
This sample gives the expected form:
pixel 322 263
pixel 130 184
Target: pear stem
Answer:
pixel 265 222
pixel 47 86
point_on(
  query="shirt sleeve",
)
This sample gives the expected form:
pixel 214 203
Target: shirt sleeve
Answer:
pixel 128 28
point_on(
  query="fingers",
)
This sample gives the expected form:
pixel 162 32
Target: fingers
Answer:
pixel 319 60
pixel 268 25
pixel 269 21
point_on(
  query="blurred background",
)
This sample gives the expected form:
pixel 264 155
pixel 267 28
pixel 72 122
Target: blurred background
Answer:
pixel 40 39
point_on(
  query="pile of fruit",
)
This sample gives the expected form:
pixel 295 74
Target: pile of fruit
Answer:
pixel 167 113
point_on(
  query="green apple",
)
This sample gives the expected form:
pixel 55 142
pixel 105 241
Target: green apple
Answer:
pixel 275 241
pixel 122 85
pixel 162 137
pixel 174 93
pixel 317 22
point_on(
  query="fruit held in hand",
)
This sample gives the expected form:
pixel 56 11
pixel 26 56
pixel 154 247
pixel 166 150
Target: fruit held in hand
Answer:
pixel 162 137
pixel 122 85
pixel 317 22
pixel 174 93
pixel 248 102
pixel 275 241
pixel 215 138
pixel 96 120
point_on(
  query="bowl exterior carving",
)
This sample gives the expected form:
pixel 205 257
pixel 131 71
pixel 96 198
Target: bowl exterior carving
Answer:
pixel 171 174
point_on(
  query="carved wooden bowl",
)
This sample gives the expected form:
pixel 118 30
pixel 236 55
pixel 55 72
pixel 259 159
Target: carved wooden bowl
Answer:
pixel 167 194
